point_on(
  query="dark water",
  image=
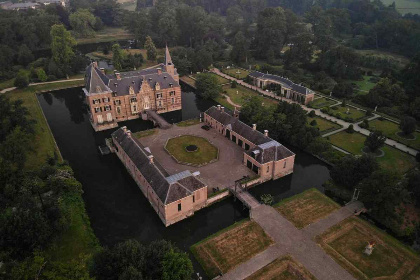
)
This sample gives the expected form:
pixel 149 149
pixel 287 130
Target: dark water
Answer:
pixel 117 208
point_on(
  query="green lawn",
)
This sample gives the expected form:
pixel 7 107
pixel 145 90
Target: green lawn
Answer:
pixel 321 102
pixel 364 85
pixel 206 151
pixel 390 129
pixel 108 34
pixel 353 115
pixel 145 133
pixel 306 208
pixel 324 125
pixel 188 122
pixel 222 101
pixel 220 79
pixel 7 84
pixel 236 72
pixel 44 140
pixel 229 247
pixel 392 160
pixel 240 95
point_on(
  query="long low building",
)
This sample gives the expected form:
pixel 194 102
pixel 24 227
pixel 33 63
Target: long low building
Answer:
pixel 288 89
pixel 265 156
pixel 174 197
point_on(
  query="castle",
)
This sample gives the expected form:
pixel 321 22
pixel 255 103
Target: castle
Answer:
pixel 117 97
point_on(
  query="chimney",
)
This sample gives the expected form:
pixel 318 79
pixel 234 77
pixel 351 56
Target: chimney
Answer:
pixel 124 128
pixel 266 133
pixel 129 133
pixel 102 70
pixel 150 158
pixel 223 109
pixel 236 113
pixel 218 107
pixel 159 71
pixel 118 75
pixel 254 126
pixel 95 64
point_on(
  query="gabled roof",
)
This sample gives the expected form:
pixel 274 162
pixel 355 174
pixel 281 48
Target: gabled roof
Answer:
pixel 284 81
pixel 169 188
pixel 94 81
pixel 270 151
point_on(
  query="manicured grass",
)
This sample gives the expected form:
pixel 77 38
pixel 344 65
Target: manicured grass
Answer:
pixel 44 144
pixel 351 142
pixel 7 84
pixel 321 102
pixel 206 152
pixel 341 112
pixel 346 242
pixel 222 101
pixel 393 159
pixel 188 122
pixel 364 85
pixel 145 133
pixel 236 73
pixel 284 268
pixel 396 160
pixel 324 125
pixel 226 249
pixel 220 79
pixel 240 95
pixel 390 129
pixel 108 34
pixel 188 80
pixel 306 208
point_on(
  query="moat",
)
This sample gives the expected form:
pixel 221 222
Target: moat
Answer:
pixel 117 208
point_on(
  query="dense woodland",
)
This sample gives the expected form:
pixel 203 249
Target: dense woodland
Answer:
pixel 315 43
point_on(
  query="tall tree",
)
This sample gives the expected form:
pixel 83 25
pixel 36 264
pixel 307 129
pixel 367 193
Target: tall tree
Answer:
pixel 176 266
pixel 62 44
pixel 117 56
pixel 150 48
pixel 83 22
pixel 239 53
pixel 271 31
pixel 207 85
pixel 375 140
pixel 408 125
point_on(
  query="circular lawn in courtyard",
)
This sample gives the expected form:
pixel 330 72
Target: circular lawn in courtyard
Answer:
pixel 192 150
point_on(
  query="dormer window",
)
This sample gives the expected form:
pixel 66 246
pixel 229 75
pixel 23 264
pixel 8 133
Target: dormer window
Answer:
pixel 157 86
pixel 171 85
pixel 98 89
pixel 131 90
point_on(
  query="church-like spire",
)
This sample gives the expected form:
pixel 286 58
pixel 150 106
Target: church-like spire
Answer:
pixel 168 59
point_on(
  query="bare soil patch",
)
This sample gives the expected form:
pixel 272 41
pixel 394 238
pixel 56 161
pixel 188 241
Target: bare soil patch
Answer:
pixel 306 208
pixel 230 247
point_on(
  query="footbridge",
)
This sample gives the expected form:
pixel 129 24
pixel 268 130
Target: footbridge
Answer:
pixel 244 196
pixel 156 119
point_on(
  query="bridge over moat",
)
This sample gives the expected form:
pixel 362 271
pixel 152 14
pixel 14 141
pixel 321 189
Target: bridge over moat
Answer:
pixel 156 119
pixel 244 196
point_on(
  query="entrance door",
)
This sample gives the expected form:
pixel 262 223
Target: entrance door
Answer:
pixel 233 138
pixel 255 169
pixel 109 117
pixel 100 119
pixel 249 164
pixel 240 142
pixel 228 133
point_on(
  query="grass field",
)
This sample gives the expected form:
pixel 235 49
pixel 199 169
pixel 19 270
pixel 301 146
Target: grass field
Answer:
pixel 346 241
pixel 390 129
pixel 226 249
pixel 323 124
pixel 241 94
pixel 220 79
pixel 108 34
pixel 234 73
pixel 392 160
pixel 188 80
pixel 7 84
pixel 77 244
pixel 222 101
pixel 321 102
pixel 306 208
pixel 145 133
pixel 44 144
pixel 280 269
pixel 188 122
pixel 341 112
pixel 177 148
pixel 364 85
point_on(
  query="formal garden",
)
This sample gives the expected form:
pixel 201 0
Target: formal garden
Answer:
pixel 220 79
pixel 284 268
pixel 192 150
pixel 231 246
pixel 347 113
pixel 236 73
pixel 323 125
pixel 393 131
pixel 347 243
pixel 306 208
pixel 321 102
pixel 391 158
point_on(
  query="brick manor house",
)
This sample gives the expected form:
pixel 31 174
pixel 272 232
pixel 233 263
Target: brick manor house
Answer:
pixel 265 156
pixel 125 96
pixel 288 89
pixel 173 197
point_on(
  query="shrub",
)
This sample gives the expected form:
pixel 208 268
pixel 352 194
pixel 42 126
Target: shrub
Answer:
pixel 22 79
pixel 350 129
pixel 364 124
pixel 313 123
pixel 312 114
pixel 408 125
pixel 233 84
pixel 369 112
pixel 344 103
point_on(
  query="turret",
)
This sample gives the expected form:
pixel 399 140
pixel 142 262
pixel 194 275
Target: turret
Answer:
pixel 169 66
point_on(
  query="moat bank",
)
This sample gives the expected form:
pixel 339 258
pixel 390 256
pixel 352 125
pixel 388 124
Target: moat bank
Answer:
pixel 117 208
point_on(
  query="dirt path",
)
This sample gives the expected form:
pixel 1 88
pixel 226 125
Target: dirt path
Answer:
pixel 231 102
pixel 44 83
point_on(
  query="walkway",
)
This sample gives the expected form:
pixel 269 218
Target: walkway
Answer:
pixel 44 83
pixel 231 102
pixel 318 112
pixel 157 119
pixel 297 243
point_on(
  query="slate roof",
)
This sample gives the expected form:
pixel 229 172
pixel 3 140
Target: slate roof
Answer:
pixel 131 78
pixel 268 149
pixel 289 83
pixel 169 188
